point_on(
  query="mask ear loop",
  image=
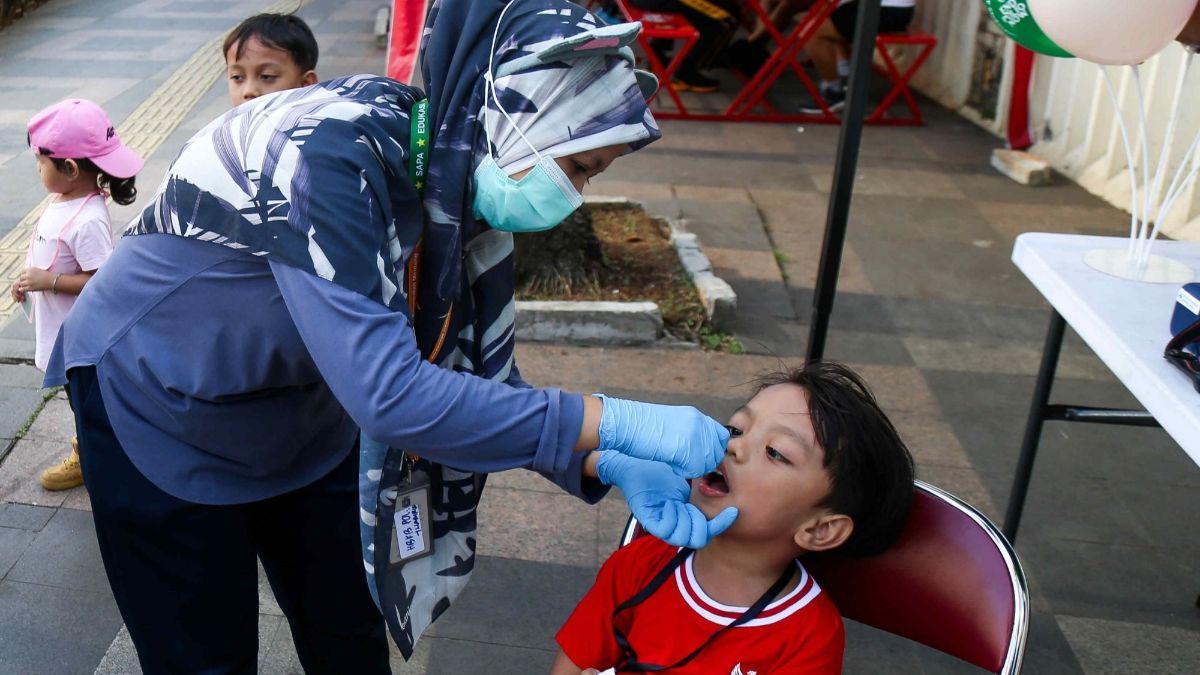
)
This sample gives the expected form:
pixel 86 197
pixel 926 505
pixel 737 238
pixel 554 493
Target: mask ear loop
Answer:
pixel 491 86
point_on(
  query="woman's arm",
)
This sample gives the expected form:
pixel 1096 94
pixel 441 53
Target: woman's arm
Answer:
pixel 369 359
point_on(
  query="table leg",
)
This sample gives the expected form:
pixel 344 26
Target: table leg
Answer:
pixel 1033 426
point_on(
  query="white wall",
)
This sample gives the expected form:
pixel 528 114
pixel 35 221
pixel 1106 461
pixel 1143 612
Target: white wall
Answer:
pixel 1072 114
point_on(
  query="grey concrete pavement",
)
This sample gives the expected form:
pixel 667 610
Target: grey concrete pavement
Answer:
pixel 930 310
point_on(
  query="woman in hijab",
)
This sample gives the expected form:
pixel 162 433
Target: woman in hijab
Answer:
pixel 336 258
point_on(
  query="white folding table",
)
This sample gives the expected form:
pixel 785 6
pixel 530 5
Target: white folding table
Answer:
pixel 1126 323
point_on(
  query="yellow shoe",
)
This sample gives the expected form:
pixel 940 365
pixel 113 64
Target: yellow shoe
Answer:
pixel 66 474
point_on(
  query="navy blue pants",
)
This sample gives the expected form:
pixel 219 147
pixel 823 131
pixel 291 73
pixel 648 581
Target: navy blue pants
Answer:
pixel 184 575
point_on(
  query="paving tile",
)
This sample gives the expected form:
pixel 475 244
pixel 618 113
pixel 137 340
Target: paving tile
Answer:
pixel 1112 582
pixel 64 555
pixel 931 441
pixel 121 657
pixel 964 273
pixel 276 649
pixel 1047 649
pixel 20 470
pixel 514 602
pixel 24 517
pixel 16 328
pixel 964 484
pixel 869 650
pixel 37 619
pixel 13 542
pixel 989 358
pixel 862 347
pixel 1125 647
pixel 464 656
pixel 54 423
pixel 513 524
pixel 881 182
pixel 521 479
pixel 612 517
pixel 17 405
pixel 267 604
pixel 755 278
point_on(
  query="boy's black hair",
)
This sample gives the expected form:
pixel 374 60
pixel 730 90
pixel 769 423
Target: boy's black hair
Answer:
pixel 278 31
pixel 870 468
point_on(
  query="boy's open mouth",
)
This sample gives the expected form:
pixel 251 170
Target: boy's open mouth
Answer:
pixel 713 484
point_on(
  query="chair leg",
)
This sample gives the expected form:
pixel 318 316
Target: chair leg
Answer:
pixel 900 86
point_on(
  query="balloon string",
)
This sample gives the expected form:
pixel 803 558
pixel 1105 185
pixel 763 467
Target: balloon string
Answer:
pixel 1166 210
pixel 1133 218
pixel 1144 226
pixel 1160 172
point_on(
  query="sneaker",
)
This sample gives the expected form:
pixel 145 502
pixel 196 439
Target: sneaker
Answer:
pixel 66 474
pixel 835 100
pixel 695 83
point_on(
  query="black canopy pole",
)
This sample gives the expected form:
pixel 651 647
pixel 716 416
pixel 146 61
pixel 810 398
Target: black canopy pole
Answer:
pixel 866 26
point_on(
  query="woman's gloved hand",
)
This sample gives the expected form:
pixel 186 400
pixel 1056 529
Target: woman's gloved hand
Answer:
pixel 691 442
pixel 659 500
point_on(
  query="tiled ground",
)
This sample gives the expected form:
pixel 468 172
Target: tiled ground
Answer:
pixel 930 309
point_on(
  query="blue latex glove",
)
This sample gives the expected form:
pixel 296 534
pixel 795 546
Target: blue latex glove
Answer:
pixel 659 500
pixel 691 442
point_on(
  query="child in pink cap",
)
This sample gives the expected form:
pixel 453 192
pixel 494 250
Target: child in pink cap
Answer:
pixel 81 161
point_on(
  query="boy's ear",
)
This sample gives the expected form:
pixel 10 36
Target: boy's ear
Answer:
pixel 309 78
pixel 825 532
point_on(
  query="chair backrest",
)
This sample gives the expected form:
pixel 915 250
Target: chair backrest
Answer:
pixel 951 582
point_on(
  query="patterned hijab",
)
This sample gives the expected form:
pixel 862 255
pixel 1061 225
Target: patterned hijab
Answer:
pixel 562 106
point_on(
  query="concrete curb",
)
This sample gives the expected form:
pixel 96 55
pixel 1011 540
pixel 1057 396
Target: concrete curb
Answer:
pixel 589 323
pixel 628 323
pixel 720 302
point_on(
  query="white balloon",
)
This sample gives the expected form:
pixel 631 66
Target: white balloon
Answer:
pixel 1112 32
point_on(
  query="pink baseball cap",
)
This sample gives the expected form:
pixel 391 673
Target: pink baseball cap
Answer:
pixel 79 129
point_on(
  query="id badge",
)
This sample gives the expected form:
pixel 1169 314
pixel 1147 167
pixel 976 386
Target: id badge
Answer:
pixel 412 537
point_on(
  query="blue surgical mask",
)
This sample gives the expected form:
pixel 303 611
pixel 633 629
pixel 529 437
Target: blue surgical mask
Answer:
pixel 540 200
pixel 543 198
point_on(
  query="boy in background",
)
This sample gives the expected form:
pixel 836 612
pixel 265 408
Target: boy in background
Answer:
pixel 813 464
pixel 268 53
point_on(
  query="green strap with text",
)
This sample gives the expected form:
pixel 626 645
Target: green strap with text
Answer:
pixel 418 155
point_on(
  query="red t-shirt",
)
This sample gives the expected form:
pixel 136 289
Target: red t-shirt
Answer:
pixel 800 632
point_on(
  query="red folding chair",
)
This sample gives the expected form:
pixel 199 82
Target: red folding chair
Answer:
pixel 663 26
pixel 952 582
pixel 924 42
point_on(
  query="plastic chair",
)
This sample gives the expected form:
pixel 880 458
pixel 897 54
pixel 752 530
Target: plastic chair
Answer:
pixel 952 582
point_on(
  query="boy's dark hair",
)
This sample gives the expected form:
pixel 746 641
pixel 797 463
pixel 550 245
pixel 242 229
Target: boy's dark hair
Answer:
pixel 870 468
pixel 278 31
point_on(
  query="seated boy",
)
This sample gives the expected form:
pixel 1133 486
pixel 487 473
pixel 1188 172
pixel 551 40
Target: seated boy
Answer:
pixel 268 53
pixel 813 464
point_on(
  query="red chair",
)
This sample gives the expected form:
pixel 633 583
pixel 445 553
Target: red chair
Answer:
pixel 662 26
pixel 952 582
pixel 925 43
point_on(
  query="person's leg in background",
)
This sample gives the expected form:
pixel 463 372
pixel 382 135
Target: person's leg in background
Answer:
pixel 183 575
pixel 827 43
pixel 308 541
pixel 716 21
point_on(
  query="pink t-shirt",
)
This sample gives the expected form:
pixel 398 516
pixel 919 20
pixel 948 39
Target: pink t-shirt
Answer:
pixel 71 237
